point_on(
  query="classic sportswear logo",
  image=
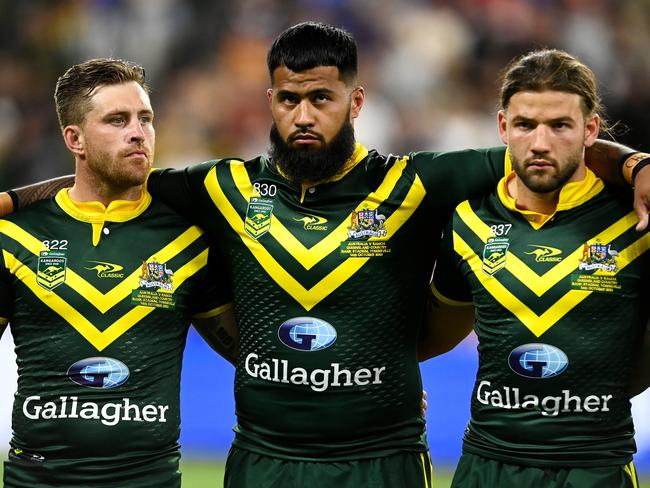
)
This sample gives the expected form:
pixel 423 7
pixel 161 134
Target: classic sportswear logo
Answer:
pixel 106 270
pixel 313 222
pixel 99 372
pixel 538 361
pixel 306 334
pixel 544 254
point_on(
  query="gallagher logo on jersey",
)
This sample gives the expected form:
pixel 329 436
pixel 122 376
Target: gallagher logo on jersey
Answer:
pixel 307 334
pixel 99 372
pixel 538 361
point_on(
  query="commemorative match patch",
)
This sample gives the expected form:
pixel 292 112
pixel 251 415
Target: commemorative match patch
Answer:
pixel 364 225
pixel 600 257
pixel 156 286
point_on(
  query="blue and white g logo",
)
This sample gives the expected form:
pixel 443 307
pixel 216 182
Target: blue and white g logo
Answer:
pixel 99 372
pixel 307 334
pixel 538 361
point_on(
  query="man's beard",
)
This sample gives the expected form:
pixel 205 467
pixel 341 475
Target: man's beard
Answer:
pixel 547 183
pixel 312 165
pixel 115 173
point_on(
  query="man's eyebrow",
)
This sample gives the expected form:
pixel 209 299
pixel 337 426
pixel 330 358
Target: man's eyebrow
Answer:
pixel 313 91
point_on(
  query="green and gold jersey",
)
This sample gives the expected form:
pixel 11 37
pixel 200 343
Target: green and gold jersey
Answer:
pixel 99 302
pixel 560 314
pixel 329 285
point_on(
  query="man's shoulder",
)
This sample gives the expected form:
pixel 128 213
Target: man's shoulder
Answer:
pixel 37 211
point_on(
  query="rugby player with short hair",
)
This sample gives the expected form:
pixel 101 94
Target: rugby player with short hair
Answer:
pixel 329 248
pixel 98 286
pixel 557 279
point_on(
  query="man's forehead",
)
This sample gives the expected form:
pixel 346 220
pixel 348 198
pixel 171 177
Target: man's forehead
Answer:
pixel 546 101
pixel 326 76
pixel 120 97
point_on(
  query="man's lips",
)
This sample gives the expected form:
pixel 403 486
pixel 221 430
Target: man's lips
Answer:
pixel 137 154
pixel 539 164
pixel 304 138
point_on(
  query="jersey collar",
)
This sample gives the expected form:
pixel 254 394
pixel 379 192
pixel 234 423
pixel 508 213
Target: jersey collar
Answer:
pixel 572 195
pixel 97 214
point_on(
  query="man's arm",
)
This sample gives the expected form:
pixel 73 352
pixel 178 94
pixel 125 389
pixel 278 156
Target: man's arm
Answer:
pixel 445 326
pixel 18 198
pixel 221 333
pixel 449 317
pixel 631 170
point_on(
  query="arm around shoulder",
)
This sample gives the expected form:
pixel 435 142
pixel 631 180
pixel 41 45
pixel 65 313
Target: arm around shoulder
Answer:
pixel 221 333
pixel 445 326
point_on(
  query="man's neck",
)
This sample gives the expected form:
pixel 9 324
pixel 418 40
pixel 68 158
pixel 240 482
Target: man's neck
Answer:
pixel 526 199
pixel 82 192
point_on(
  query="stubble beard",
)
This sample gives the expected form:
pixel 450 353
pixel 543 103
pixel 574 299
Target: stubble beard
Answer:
pixel 540 181
pixel 312 165
pixel 114 173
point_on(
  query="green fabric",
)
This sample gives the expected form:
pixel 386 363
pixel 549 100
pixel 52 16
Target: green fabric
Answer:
pixel 551 287
pixel 478 472
pixel 246 469
pixel 73 416
pixel 153 470
pixel 355 253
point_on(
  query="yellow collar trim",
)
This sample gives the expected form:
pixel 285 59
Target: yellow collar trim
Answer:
pixel 572 195
pixel 93 212
pixel 97 214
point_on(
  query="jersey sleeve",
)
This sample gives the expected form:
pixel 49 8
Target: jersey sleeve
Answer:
pixel 181 189
pixel 452 177
pixel 449 285
pixel 6 292
pixel 213 295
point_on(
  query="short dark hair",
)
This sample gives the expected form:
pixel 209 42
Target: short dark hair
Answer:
pixel 552 69
pixel 311 44
pixel 75 87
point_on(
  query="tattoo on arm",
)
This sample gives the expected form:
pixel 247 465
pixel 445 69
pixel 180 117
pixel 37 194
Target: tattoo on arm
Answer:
pixel 605 158
pixel 41 191
pixel 221 336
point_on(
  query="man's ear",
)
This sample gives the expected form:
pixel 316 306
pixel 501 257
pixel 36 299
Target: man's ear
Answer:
pixel 74 139
pixel 592 127
pixel 356 101
pixel 502 123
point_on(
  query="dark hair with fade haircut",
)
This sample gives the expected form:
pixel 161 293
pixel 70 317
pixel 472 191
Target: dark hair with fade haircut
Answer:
pixel 553 69
pixel 75 87
pixel 311 44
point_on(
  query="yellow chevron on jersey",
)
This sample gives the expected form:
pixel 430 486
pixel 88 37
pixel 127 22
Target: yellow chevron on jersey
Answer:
pixel 99 339
pixel 540 284
pixel 538 324
pixel 309 257
pixel 103 302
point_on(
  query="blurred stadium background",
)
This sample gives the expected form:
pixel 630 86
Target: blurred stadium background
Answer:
pixel 429 69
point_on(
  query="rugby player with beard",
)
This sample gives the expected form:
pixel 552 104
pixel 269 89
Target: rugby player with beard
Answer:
pixel 329 248
pixel 99 285
pixel 553 277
